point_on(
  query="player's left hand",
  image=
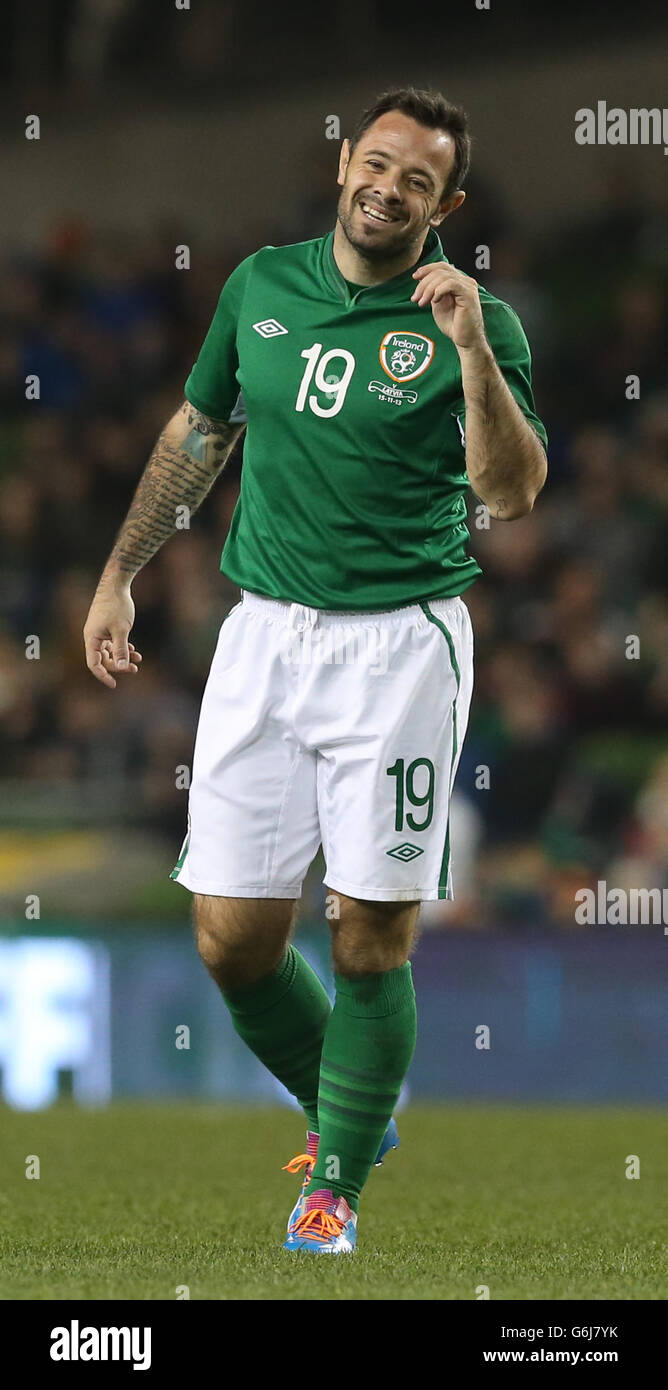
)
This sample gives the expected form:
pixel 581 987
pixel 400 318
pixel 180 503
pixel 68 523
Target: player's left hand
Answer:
pixel 455 303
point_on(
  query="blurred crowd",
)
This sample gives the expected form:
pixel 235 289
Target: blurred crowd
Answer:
pixel 571 615
pixel 101 47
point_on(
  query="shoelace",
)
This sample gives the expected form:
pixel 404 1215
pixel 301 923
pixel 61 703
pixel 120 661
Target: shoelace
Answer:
pixel 297 1163
pixel 317 1225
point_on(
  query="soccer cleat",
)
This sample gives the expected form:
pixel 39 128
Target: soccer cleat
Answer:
pixel 327 1225
pixel 307 1160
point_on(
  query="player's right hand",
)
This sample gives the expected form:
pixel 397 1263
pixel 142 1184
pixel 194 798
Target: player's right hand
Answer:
pixel 106 633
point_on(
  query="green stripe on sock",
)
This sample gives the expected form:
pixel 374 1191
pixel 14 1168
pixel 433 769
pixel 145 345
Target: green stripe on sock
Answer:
pixel 341 1114
pixel 350 1077
pixel 368 1097
pixel 368 1047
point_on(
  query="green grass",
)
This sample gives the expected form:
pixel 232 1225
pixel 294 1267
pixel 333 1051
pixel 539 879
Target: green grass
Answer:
pixel 135 1200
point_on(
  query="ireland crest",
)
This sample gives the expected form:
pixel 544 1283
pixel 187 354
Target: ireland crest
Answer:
pixel 405 355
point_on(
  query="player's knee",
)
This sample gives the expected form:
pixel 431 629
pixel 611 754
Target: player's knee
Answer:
pixel 371 938
pixel 239 943
pixel 210 941
pixel 356 966
pixel 355 958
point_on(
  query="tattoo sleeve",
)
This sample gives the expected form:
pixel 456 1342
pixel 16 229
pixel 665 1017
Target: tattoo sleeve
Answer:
pixel 188 457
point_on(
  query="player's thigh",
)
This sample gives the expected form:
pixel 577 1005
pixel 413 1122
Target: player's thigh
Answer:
pixel 370 937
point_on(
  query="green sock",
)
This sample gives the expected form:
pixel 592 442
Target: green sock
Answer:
pixel 367 1051
pixel 282 1019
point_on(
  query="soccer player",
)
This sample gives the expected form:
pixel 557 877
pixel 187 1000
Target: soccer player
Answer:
pixel 377 384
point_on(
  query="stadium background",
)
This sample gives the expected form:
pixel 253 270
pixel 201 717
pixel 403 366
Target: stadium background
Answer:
pixel 207 128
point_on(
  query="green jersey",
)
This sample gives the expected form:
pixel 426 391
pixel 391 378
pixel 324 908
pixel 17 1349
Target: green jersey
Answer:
pixel 353 486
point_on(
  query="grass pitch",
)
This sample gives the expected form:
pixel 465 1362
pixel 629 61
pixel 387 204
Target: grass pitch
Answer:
pixel 137 1200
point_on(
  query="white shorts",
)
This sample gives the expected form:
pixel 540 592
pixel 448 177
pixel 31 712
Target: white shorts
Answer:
pixel 340 729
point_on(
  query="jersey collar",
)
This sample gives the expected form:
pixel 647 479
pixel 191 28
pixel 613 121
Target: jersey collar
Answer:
pixel 395 288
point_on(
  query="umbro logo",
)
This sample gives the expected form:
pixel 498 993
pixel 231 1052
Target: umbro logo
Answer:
pixel 269 328
pixel 405 852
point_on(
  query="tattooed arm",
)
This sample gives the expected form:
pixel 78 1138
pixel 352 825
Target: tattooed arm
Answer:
pixel 185 462
pixel 188 457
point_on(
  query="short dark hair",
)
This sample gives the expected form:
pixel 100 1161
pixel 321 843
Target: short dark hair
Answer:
pixel 430 109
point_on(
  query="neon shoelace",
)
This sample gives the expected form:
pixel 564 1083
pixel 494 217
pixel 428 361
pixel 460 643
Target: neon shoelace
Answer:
pixel 318 1225
pixel 297 1163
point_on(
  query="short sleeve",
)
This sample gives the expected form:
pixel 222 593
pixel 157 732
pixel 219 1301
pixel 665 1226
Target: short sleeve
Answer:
pixel 510 346
pixel 212 385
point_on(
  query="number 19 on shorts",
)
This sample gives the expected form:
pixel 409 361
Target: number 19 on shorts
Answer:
pixel 414 788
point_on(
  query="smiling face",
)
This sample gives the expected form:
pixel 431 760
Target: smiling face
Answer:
pixel 392 187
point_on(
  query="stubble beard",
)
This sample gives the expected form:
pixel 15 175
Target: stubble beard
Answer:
pixel 393 250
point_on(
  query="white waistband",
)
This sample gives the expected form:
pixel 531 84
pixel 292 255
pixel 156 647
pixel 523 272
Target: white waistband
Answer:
pixel 293 613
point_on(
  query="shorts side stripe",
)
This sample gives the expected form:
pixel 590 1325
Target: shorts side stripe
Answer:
pixel 181 859
pixel 445 861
